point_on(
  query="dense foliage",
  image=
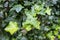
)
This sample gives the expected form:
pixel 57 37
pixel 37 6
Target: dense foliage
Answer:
pixel 29 19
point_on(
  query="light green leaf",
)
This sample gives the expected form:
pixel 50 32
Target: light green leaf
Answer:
pixel 57 27
pixel 38 7
pixel 17 8
pixel 12 27
pixel 31 22
pixel 50 36
pixel 28 27
pixel 48 11
pixel 58 36
pixel 56 32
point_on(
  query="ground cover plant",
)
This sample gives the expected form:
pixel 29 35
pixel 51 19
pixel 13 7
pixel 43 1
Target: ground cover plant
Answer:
pixel 29 19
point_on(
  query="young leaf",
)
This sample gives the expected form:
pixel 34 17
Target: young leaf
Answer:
pixel 31 22
pixel 48 11
pixel 58 36
pixel 12 27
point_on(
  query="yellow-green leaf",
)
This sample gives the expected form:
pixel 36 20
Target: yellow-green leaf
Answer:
pixel 48 11
pixel 56 32
pixel 58 36
pixel 28 28
pixel 52 37
pixel 12 27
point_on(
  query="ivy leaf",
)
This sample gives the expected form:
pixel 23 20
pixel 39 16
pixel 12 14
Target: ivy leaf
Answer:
pixel 48 11
pixel 56 32
pixel 58 36
pixel 12 27
pixel 54 1
pixel 17 8
pixel 27 3
pixel 31 22
pixel 27 27
pixel 50 35
pixel 13 38
pixel 23 38
pixel 38 7
pixel 57 27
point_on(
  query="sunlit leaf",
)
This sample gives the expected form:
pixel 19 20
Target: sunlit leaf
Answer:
pixel 12 27
pixel 27 27
pixel 31 22
pixel 55 32
pixel 50 35
pixel 57 27
pixel 59 36
pixel 37 7
pixel 48 11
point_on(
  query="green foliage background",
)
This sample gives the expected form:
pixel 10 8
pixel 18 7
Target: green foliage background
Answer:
pixel 29 19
